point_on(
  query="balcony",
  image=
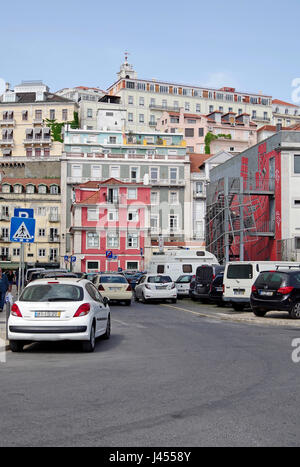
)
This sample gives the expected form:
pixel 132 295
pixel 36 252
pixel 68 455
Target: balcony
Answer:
pixel 199 194
pixel 54 217
pixel 4 217
pixel 261 119
pixel 5 258
pixel 151 123
pixel 4 239
pixel 167 182
pixel 163 107
pixel 38 121
pixel 53 239
pixel 8 122
pixel 7 142
pixel 33 141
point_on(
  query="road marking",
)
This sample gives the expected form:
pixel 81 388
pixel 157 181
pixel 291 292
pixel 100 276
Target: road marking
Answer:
pixel 185 309
pixel 140 326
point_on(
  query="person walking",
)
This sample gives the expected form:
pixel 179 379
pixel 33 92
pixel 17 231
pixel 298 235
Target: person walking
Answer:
pixel 4 285
pixel 10 276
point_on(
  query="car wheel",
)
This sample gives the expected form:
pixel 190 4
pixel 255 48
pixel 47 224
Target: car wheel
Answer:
pixel 89 346
pixel 143 298
pixel 16 346
pixel 106 336
pixel 238 307
pixel 136 298
pixel 295 311
pixel 128 302
pixel 259 312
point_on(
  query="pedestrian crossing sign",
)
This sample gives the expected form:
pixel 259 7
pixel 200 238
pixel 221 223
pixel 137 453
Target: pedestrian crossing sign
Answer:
pixel 22 229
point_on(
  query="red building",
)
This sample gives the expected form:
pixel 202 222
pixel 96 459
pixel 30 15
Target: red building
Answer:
pixel 110 223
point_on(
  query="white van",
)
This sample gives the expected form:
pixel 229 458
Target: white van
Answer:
pixel 239 276
pixel 179 261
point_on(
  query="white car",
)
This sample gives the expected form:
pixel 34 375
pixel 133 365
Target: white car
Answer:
pixel 183 285
pixel 56 310
pixel 155 287
pixel 114 286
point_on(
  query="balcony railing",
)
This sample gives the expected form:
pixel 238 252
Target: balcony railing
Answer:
pixel 8 121
pixel 163 107
pixel 4 239
pixel 5 258
pixel 7 142
pixel 37 141
pixel 54 217
pixel 261 119
pixel 53 239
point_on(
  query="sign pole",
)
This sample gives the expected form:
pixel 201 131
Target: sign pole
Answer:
pixel 23 265
pixel 20 270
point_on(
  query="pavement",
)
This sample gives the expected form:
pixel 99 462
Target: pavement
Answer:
pixel 167 377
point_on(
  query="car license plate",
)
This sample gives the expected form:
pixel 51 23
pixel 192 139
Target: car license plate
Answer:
pixel 114 289
pixel 265 292
pixel 160 287
pixel 47 314
pixel 239 291
pixel 219 289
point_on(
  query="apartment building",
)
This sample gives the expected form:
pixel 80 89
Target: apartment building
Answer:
pixel 229 132
pixel 23 114
pixel 110 216
pixel 146 100
pixel 87 99
pixel 154 159
pixel 43 195
pixel 284 113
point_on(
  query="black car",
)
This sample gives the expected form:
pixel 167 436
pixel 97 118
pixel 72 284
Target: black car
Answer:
pixel 216 290
pixel 278 291
pixel 205 274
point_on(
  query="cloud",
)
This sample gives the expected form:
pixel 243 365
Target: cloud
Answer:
pixel 220 79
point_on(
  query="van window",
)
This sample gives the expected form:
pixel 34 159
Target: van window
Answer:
pixel 240 271
pixel 204 274
pixel 187 268
pixel 160 269
pixel 200 253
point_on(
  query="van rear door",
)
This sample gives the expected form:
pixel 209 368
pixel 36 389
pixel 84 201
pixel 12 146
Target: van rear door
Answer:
pixel 238 282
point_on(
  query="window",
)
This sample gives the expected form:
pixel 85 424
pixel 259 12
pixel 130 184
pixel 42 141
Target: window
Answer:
pixel 154 197
pixel 132 193
pixel 41 211
pixel 46 152
pixel 42 189
pixel 25 115
pixel 164 89
pixel 173 197
pixel 154 222
pixel 198 108
pixel 28 152
pixel 240 271
pixel 16 251
pixel 92 214
pixel 112 140
pixel 5 211
pixel 154 174
pixel 199 187
pixel 76 170
pixel 187 106
pixel 133 216
pixel 187 268
pixel 189 132
pixel 230 109
pixel 134 173
pixel 112 240
pixel 38 115
pixel 89 113
pixel 253 113
pixel 173 173
pixel 38 153
pixel 53 254
pixel 30 189
pixel 52 114
pixel 130 100
pixel 17 188
pixel 141 86
pixel 200 132
pixel 190 149
pixel 141 102
pixel 115 171
pixel 92 240
pixel 54 190
pixel 141 118
pixel 164 103
pixel 92 266
pixel 173 222
pixel 64 114
pixel 130 117
pixel 112 216
pixel 96 171
pixel 42 252
pixel 42 232
pixel 160 269
pixel 4 232
pixel 133 265
pixel 130 85
pixel 132 240
pixel 6 188
pixel 152 101
pixel 297 164
pixel 211 108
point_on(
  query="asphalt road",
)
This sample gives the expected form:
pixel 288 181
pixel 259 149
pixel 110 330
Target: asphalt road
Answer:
pixel 167 377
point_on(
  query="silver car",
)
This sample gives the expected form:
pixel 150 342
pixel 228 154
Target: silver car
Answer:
pixel 155 287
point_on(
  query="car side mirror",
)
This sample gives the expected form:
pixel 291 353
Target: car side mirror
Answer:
pixel 105 301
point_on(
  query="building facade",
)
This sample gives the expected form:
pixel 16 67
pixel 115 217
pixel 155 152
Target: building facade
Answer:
pixel 23 114
pixel 44 197
pixel 110 225
pixel 154 159
pixel 146 100
pixel 284 113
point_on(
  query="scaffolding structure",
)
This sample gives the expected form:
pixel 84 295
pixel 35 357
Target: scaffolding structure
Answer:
pixel 240 217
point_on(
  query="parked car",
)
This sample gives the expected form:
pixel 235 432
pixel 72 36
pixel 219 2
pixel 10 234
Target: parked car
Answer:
pixel 67 309
pixel 135 279
pixel 57 274
pixel 155 287
pixel 216 290
pixel 89 275
pixel 32 271
pixel 114 286
pixel 205 274
pixel 277 290
pixel 183 285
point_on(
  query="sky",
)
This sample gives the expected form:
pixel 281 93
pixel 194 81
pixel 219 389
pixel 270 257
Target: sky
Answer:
pixel 250 45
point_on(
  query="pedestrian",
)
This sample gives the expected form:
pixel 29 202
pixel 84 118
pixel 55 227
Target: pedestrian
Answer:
pixel 10 276
pixel 3 288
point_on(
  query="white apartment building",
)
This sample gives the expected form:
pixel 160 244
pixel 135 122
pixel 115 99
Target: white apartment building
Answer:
pixel 284 113
pixel 146 100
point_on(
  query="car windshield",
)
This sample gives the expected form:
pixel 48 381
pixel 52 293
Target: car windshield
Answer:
pixel 184 279
pixel 113 280
pixel 52 292
pixel 159 279
pixel 273 280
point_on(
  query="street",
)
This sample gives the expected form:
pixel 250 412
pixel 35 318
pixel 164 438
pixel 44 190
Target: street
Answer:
pixel 167 377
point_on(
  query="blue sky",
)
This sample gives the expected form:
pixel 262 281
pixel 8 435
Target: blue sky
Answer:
pixel 251 45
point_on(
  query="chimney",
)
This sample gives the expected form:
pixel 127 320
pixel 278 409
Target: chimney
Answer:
pixel 7 86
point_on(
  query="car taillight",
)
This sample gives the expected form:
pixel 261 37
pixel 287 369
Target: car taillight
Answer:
pixel 15 311
pixel 173 286
pixel 285 290
pixel 253 288
pixel 100 287
pixel 129 289
pixel 223 287
pixel 82 310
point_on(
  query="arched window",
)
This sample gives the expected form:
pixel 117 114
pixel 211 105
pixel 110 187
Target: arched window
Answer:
pixel 29 188
pixel 18 188
pixel 54 189
pixel 6 188
pixel 42 189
